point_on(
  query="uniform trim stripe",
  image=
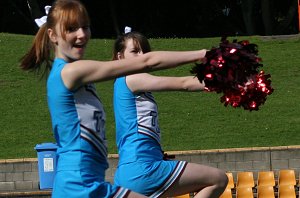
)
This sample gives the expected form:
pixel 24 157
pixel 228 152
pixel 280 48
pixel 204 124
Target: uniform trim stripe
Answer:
pixel 121 193
pixel 146 128
pixel 98 146
pixel 150 135
pixel 84 128
pixel 149 132
pixel 173 177
pixel 93 139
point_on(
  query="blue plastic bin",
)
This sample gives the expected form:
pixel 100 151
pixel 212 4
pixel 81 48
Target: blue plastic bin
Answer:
pixel 46 153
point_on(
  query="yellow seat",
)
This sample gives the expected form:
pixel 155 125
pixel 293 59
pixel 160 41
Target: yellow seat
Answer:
pixel 244 192
pixel 286 191
pixel 230 181
pixel 245 179
pixel 183 196
pixel 286 177
pixel 265 192
pixel 227 193
pixel 266 178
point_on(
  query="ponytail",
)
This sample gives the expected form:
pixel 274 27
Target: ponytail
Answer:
pixel 38 57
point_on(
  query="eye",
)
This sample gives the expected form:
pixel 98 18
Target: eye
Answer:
pixel 86 27
pixel 72 29
pixel 136 51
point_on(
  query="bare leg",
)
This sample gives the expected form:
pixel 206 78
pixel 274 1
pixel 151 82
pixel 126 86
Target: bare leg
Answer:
pixel 135 195
pixel 206 181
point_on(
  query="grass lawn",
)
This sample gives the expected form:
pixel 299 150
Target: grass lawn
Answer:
pixel 188 120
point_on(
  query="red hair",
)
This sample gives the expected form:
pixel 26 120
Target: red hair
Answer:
pixel 69 14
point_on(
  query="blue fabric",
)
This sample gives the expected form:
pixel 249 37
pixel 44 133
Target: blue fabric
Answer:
pixel 141 166
pixel 82 184
pixel 149 178
pixel 81 153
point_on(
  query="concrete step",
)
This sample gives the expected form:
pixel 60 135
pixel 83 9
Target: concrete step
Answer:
pixel 27 194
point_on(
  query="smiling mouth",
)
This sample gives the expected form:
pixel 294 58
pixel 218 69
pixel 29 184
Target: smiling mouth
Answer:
pixel 79 45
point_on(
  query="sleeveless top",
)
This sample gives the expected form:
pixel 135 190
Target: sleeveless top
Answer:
pixel 78 122
pixel 137 128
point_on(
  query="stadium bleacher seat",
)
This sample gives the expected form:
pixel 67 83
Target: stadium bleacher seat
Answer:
pixel 266 178
pixel 286 191
pixel 245 179
pixel 265 192
pixel 183 196
pixel 286 177
pixel 244 192
pixel 230 184
pixel 227 193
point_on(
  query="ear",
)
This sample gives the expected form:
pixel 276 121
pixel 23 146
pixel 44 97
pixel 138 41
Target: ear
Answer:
pixel 52 35
pixel 119 55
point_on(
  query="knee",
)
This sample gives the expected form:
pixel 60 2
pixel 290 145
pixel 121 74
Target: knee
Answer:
pixel 222 180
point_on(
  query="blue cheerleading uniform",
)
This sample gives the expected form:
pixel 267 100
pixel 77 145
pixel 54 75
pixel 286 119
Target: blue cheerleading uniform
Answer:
pixel 141 165
pixel 78 122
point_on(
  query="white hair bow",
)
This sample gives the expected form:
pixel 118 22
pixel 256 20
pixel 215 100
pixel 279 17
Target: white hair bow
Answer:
pixel 41 21
pixel 127 29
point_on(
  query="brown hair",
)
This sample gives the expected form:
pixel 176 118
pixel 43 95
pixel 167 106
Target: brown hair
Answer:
pixel 139 41
pixel 69 14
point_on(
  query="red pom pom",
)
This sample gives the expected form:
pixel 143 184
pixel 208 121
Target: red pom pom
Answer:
pixel 233 69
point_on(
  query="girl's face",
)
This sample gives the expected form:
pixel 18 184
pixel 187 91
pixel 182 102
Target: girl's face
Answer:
pixel 73 46
pixel 131 49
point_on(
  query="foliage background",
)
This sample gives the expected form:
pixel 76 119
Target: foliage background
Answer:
pixel 167 19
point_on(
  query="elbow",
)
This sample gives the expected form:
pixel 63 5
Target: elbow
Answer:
pixel 151 62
